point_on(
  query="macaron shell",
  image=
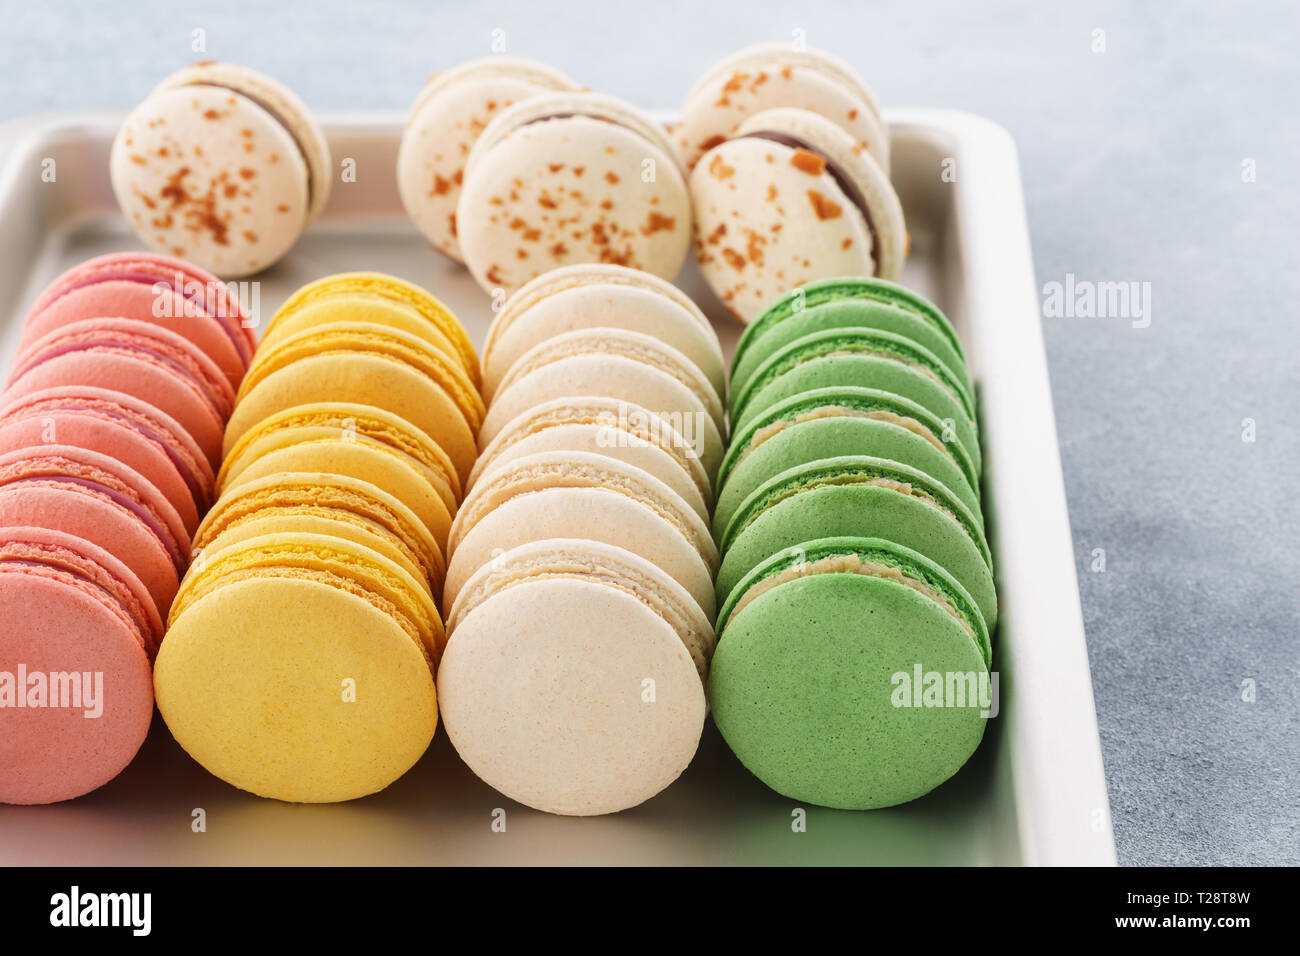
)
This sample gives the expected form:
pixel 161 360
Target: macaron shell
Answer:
pixel 591 513
pixel 861 511
pixel 584 172
pixel 866 371
pixel 847 745
pixel 773 77
pixel 357 307
pixel 842 314
pixel 143 302
pixel 204 291
pixel 542 690
pixel 396 290
pixel 598 440
pixel 289 111
pixel 769 217
pixel 610 376
pixel 193 143
pixel 366 379
pixel 370 463
pixel 442 129
pixel 611 305
pixel 822 438
pixel 251 682
pixel 48 753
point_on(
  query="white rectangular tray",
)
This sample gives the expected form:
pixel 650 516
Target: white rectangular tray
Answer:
pixel 1034 793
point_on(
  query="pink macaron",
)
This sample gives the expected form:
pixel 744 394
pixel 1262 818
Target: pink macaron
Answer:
pixel 77 636
pixel 143 360
pixel 100 500
pixel 140 436
pixel 150 288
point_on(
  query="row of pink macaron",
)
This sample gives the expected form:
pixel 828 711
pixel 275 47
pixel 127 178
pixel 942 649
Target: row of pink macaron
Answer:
pixel 777 173
pixel 110 429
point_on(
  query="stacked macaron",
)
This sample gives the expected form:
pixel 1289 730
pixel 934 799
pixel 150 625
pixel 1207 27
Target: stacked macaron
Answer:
pixel 579 591
pixel 788 155
pixel 301 650
pixel 110 430
pixel 223 165
pixel 848 516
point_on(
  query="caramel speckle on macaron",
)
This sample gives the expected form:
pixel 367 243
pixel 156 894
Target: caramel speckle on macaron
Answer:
pixel 808 162
pixel 824 207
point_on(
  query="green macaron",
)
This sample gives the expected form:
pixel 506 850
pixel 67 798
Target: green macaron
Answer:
pixel 831 422
pixel 859 495
pixel 851 673
pixel 795 305
pixel 850 313
pixel 863 358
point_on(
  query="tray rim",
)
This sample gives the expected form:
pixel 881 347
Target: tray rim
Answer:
pixel 1062 807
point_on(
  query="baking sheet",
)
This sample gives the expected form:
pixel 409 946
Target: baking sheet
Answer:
pixel 1034 793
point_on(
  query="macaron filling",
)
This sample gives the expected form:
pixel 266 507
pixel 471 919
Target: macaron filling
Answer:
pixel 816 159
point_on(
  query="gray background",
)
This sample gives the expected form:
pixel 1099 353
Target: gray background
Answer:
pixel 1133 167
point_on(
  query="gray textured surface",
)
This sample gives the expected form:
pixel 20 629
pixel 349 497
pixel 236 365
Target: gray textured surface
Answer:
pixel 1132 160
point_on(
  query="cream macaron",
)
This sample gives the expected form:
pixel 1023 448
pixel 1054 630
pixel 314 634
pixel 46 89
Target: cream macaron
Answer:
pixel 580 495
pixel 566 178
pixel 592 295
pixel 222 166
pixel 571 681
pixel 771 76
pixel 603 426
pixel 618 364
pixel 791 198
pixel 452 109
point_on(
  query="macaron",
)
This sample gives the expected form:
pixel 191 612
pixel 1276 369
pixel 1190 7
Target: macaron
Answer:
pixel 355 457
pixel 370 510
pixel 580 495
pixel 368 364
pixel 620 364
pixel 593 296
pixel 300 667
pixel 375 298
pixel 566 178
pixel 812 681
pixel 833 422
pixel 223 166
pixel 791 198
pixel 847 302
pixel 161 290
pixel 76 638
pixel 774 75
pixel 865 358
pixel 603 426
pixel 99 499
pixel 863 496
pixel 447 118
pixel 139 359
pixel 143 438
pixel 366 424
pixel 568 683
